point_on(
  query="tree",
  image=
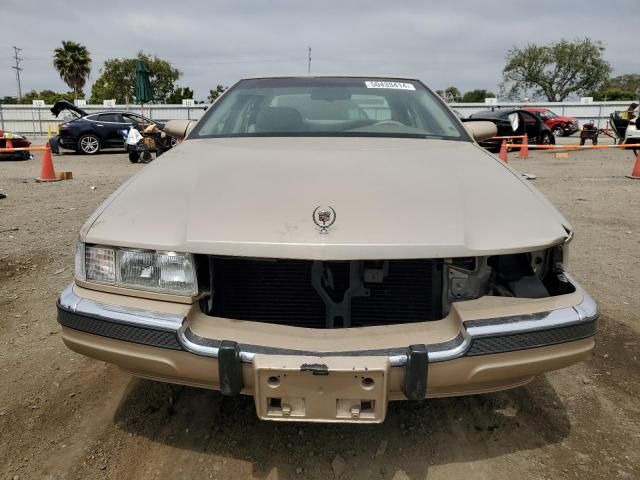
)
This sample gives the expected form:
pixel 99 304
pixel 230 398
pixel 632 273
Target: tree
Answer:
pixel 118 76
pixel 180 94
pixel 623 87
pixel 477 96
pixel 213 94
pixel 452 94
pixel 73 63
pixel 556 71
pixel 49 96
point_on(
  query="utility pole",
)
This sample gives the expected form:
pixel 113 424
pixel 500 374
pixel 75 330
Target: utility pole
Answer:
pixel 309 67
pixel 17 68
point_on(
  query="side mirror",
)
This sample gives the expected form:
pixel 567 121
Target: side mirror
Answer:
pixel 481 129
pixel 514 119
pixel 179 128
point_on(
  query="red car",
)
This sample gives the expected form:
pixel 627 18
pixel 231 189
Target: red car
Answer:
pixel 18 141
pixel 560 126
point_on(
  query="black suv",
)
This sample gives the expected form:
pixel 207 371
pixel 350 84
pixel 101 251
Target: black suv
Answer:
pixel 90 132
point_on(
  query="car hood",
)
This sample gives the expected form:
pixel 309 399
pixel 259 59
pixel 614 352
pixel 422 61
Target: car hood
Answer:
pixel 564 119
pixel 393 198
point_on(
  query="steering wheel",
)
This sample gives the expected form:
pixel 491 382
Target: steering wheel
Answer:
pixel 389 122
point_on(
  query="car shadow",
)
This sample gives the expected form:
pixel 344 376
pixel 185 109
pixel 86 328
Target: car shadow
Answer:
pixel 414 436
pixel 103 151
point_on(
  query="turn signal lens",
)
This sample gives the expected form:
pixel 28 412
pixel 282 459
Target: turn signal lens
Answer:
pixel 100 264
pixel 79 262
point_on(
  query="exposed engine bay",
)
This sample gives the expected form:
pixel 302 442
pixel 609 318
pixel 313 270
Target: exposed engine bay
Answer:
pixel 360 293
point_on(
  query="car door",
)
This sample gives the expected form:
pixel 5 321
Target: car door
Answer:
pixel 619 122
pixel 112 129
pixel 532 126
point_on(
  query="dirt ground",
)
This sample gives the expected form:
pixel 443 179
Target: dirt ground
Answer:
pixel 63 416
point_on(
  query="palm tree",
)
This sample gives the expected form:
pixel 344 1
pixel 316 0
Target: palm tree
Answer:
pixel 73 63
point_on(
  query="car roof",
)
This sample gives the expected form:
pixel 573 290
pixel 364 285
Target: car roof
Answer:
pixel 535 109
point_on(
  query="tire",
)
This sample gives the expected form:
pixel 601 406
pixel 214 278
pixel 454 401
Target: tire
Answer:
pixel 547 139
pixel 88 144
pixel 557 132
pixel 134 157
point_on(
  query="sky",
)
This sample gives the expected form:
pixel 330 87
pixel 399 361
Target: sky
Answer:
pixel 460 43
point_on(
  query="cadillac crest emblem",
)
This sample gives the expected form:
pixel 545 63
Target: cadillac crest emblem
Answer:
pixel 324 217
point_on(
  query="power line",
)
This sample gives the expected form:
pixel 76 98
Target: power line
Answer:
pixel 17 68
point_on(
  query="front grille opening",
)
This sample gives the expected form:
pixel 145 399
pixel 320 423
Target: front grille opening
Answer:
pixel 335 294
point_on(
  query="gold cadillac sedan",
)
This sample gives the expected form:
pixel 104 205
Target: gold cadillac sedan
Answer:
pixel 326 245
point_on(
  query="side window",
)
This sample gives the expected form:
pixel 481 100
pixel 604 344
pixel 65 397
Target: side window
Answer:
pixel 131 119
pixel 109 117
pixel 529 119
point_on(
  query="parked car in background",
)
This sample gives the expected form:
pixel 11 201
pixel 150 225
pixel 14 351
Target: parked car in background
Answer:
pixel 89 133
pixel 527 122
pixel 329 244
pixel 626 125
pixel 632 133
pixel 17 141
pixel 560 126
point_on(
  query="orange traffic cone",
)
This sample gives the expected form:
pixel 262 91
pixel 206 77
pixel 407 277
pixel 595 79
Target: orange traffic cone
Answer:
pixel 635 174
pixel 47 174
pixel 524 150
pixel 503 152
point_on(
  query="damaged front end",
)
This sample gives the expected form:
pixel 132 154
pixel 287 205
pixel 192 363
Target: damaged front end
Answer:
pixel 334 341
pixel 537 274
pixel 365 293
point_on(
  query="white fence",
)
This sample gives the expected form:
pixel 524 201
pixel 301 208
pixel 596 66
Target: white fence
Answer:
pixel 38 120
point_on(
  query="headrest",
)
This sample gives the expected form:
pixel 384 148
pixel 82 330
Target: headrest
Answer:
pixel 279 119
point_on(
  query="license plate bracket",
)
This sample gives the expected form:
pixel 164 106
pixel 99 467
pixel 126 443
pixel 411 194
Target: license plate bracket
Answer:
pixel 321 389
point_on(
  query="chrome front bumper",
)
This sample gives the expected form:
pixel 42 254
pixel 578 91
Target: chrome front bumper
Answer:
pixel 476 337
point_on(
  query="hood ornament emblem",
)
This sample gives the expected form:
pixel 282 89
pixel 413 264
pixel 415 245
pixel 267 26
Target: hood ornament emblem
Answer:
pixel 324 217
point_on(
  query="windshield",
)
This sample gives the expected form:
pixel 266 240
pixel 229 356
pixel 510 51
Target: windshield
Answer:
pixel 549 114
pixel 329 107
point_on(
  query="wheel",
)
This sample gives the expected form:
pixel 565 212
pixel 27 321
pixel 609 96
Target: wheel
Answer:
pixel 134 157
pixel 547 139
pixel 88 144
pixel 146 157
pixel 173 142
pixel 557 132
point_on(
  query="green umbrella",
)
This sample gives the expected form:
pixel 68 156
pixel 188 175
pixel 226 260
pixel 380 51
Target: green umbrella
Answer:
pixel 144 92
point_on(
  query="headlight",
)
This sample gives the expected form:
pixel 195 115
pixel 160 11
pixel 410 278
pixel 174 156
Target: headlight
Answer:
pixel 161 272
